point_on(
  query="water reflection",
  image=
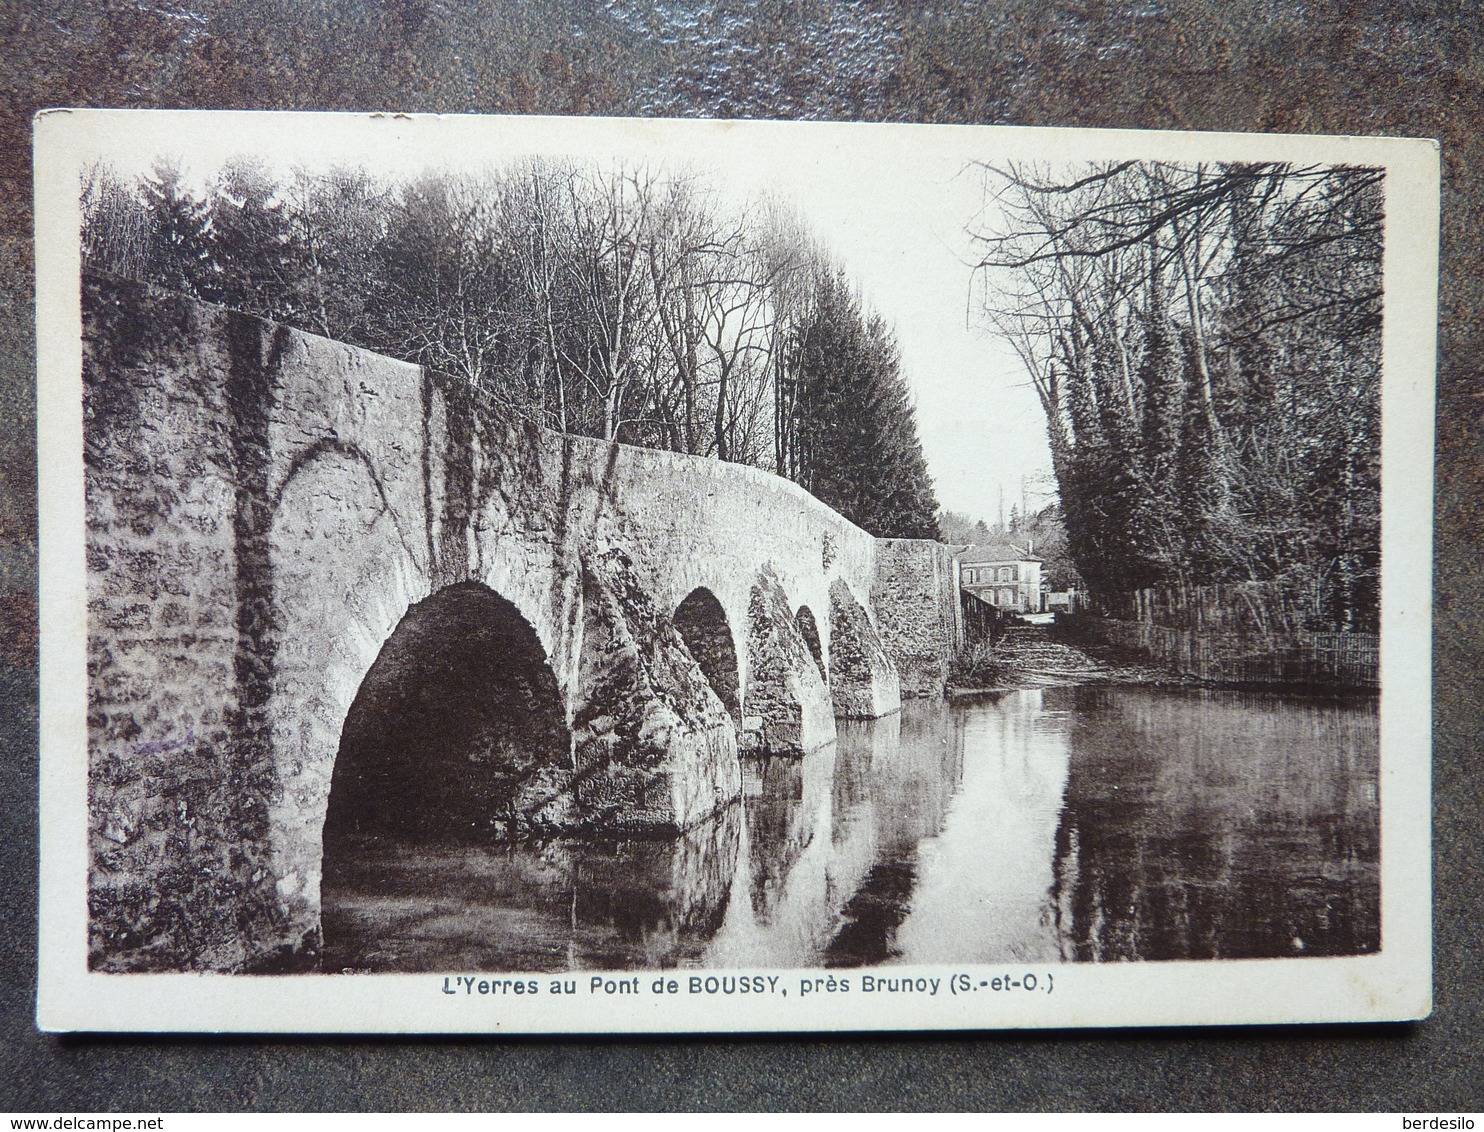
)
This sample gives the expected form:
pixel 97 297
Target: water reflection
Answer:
pixel 984 892
pixel 904 771
pixel 564 905
pixel 1058 823
pixel 1258 836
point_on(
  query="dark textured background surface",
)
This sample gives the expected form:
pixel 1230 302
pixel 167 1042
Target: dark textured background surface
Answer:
pixel 1333 66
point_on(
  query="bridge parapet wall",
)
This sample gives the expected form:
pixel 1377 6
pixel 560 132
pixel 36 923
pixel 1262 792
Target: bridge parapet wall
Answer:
pixel 766 549
pixel 701 522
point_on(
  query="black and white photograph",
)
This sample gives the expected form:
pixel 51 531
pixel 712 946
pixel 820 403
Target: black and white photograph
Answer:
pixel 600 575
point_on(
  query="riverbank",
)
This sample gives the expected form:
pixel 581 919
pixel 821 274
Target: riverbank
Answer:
pixel 1059 655
pixel 1037 656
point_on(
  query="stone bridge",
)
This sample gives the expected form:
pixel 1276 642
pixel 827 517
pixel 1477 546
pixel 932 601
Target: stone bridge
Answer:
pixel 334 598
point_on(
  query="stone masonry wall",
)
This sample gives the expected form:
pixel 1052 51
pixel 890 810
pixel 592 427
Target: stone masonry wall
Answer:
pixel 915 597
pixel 265 506
pixel 787 693
pixel 170 647
pixel 864 683
pixel 657 760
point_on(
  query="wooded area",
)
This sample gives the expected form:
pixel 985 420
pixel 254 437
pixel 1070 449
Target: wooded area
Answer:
pixel 619 303
pixel 1205 340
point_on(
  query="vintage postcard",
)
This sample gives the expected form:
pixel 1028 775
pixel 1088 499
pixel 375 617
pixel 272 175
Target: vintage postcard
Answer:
pixel 573 575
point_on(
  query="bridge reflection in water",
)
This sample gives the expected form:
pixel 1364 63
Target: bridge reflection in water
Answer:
pixel 1064 823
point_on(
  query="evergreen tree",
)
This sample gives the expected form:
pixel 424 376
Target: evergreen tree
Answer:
pixel 253 252
pixel 858 445
pixel 180 225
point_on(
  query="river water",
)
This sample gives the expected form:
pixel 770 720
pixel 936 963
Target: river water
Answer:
pixel 1053 824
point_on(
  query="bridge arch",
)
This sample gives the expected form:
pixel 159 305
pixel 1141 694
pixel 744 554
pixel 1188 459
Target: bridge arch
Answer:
pixel 457 720
pixel 863 680
pixel 702 623
pixel 785 683
pixel 809 630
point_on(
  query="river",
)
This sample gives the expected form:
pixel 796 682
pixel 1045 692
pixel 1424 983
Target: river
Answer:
pixel 1088 823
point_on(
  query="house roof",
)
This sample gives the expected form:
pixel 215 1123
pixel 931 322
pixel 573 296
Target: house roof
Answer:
pixel 996 553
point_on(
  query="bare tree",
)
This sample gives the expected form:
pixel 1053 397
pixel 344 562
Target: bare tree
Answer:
pixel 338 221
pixel 116 225
pixel 613 295
pixel 620 302
pixel 1202 339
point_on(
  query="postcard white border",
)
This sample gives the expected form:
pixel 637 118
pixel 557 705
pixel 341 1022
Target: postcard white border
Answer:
pixel 1394 984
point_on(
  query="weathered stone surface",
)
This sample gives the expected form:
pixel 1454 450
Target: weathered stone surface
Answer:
pixel 786 689
pixel 656 750
pixel 266 508
pixel 915 597
pixel 702 624
pixel 863 680
pixel 181 785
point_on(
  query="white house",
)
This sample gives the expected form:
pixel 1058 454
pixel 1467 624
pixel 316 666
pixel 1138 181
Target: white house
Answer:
pixel 1004 575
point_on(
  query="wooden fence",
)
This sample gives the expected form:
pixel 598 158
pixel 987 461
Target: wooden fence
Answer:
pixel 1260 608
pixel 1349 660
pixel 983 623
